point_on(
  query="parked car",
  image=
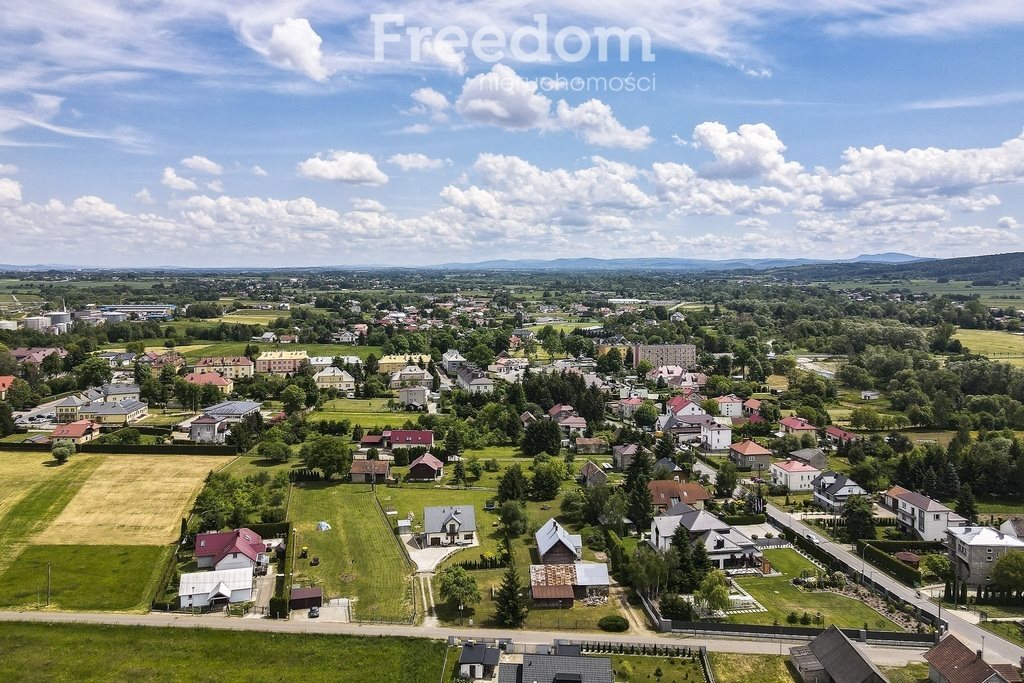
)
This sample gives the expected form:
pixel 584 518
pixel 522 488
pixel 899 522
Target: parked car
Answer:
pixel 314 612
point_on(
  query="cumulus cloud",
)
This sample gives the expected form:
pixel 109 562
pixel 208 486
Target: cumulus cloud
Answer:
pixel 172 180
pixel 1008 223
pixel 295 45
pixel 753 223
pixel 753 150
pixel 8 169
pixel 215 185
pixel 416 129
pixel 415 162
pixel 347 167
pixel 10 191
pixel 258 170
pixel 202 165
pixel 144 196
pixel 370 205
pixel 432 103
pixel 594 122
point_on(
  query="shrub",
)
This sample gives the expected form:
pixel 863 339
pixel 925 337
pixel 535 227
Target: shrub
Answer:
pixel 676 608
pixel 805 619
pixel 792 618
pixel 613 623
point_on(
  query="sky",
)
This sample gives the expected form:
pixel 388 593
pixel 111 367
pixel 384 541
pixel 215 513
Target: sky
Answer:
pixel 298 133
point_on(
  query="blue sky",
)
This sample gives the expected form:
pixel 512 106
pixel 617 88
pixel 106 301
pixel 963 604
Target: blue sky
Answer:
pixel 267 133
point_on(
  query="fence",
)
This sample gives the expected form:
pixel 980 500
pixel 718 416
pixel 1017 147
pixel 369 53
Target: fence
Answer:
pixel 705 665
pixel 27 447
pixel 801 632
pixel 409 563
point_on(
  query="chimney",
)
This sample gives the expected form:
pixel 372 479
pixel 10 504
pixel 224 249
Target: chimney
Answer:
pixel 978 654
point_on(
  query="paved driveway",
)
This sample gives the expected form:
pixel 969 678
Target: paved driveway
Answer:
pixel 426 559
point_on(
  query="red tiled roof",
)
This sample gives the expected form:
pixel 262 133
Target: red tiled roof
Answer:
pixel 563 592
pixel 832 430
pixel 73 430
pixel 798 423
pixel 752 404
pixel 371 440
pixel 6 381
pixel 370 467
pixel 795 466
pixel 749 447
pixel 219 544
pixel 202 378
pixel 411 437
pixel 958 663
pixel 428 460
pixel 668 492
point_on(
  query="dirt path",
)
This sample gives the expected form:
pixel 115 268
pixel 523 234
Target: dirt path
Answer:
pixel 637 623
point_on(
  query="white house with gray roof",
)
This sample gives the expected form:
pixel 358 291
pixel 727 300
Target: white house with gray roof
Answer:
pixel 449 525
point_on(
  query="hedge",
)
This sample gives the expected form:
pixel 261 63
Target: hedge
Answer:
pixel 900 571
pixel 740 520
pixel 812 549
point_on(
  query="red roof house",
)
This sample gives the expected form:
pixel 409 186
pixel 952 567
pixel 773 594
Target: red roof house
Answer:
pixel 406 438
pixel 230 549
pixel 796 425
pixel 425 468
pixel 837 435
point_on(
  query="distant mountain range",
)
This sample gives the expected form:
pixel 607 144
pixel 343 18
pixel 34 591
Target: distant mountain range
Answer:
pixel 677 264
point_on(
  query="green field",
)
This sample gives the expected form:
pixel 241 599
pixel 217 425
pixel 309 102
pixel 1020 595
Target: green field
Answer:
pixel 85 577
pixel 201 349
pixel 780 597
pixel 1007 630
pixel 359 557
pixel 65 652
pixel 735 668
pixel 673 669
pixel 995 344
pixel 911 673
pixel 1008 295
pixel 368 413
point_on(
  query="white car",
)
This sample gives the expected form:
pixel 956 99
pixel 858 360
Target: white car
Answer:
pixel 812 538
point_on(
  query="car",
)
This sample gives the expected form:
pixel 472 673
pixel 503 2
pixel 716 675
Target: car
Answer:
pixel 314 612
pixel 812 538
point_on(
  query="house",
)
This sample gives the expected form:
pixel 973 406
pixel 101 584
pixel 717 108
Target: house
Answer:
pixel 730 405
pixel 77 432
pixel 118 359
pixel 919 515
pixel 477 661
pixel 451 361
pixel 36 354
pixel 950 661
pixel 281 362
pixel 832 490
pixel 833 658
pixel 5 384
pixel 814 457
pixel 288 339
pixel 370 471
pixel 230 549
pixel 425 468
pixel 548 668
pixel 558 585
pixel 838 436
pixel 474 380
pixel 974 550
pixel 622 456
pixel 113 393
pixel 527 418
pixel 69 407
pixel 390 364
pixel 555 545
pixel 334 378
pixel 231 367
pixel 1014 526
pixel 797 425
pixel 411 375
pixel 223 384
pixel 209 429
pixel 667 493
pixel 560 411
pixel 121 413
pixel 233 411
pixel 869 395
pixel 750 454
pixel 669 466
pixel 449 525
pixel 592 474
pixel 572 425
pixel 407 438
pixel 752 406
pixel 206 589
pixel 318 363
pixel 794 475
pixel 715 436
pixel 413 397
pixel 265 338
pixel 726 546
pixel 591 445
pixel 626 408
pixel 344 337
pixel 681 405
pixel 158 361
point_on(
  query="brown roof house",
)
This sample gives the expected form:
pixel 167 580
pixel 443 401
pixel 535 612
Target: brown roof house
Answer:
pixel 425 468
pixel 750 454
pixel 555 545
pixel 592 474
pixel 833 658
pixel 953 662
pixel 370 471
pixel 666 493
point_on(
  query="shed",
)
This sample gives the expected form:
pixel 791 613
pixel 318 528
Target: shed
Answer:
pixel 304 598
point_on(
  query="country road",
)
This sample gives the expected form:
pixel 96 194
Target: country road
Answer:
pixel 883 656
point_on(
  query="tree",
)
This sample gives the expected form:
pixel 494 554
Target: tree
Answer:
pixel 452 443
pixel 278 451
pixel 547 479
pixel 93 372
pixel 329 454
pixel 713 592
pixel 510 603
pixel 860 523
pixel 666 446
pixel 459 473
pixel 458 588
pixel 643 367
pixel 293 398
pixel 640 506
pixel 513 484
pixel 542 436
pixel 512 518
pixel 725 482
pixel 937 565
pixel 966 506
pixel 474 467
pixel 646 415
pixel 1008 573
pixel 62 451
pixel 19 394
pixel 770 412
pixel 7 425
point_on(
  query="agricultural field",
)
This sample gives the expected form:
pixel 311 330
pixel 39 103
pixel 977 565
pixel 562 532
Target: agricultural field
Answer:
pixel 103 523
pixel 995 344
pixel 781 597
pixel 72 652
pixel 1007 295
pixel 359 556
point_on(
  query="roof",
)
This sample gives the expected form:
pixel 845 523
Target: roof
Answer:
pixel 370 467
pixel 795 466
pixel 749 447
pixel 797 423
pixel 6 381
pixel 410 437
pixel 729 398
pixel 665 463
pixel 211 378
pixel 233 408
pixel 283 355
pixel 222 361
pixel 842 661
pixel 73 430
pixel 554 592
pixel 984 536
pixel 435 519
pixel 541 668
pixel 218 544
pixel 332 371
pixel 592 574
pixel 959 664
pixel 916 499
pixel 833 482
pixel 559 408
pixel 305 593
pixel 591 469
pixel 832 430
pixel 807 453
pixel 552 533
pixel 120 408
pixel 216 582
pixel 668 492
pixel 428 460
pixel 752 404
pixel 478 653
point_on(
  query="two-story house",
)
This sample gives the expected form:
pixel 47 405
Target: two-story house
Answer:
pixel 974 550
pixel 833 489
pixel 919 515
pixel 793 474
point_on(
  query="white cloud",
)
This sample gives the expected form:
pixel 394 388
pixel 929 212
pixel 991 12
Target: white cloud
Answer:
pixel 594 122
pixel 144 196
pixel 415 162
pixel 10 191
pixel 202 165
pixel 258 170
pixel 215 185
pixel 8 169
pixel 369 205
pixel 431 102
pixel 753 224
pixel 172 180
pixel 1008 223
pixel 295 45
pixel 348 167
pixel 754 150
pixel 416 129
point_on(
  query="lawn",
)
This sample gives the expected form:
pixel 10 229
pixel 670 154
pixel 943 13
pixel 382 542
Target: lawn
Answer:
pixel 406 499
pixel 673 669
pixel 164 419
pixel 85 577
pixel 993 343
pixel 736 668
pixel 1007 630
pixel 66 652
pixel 369 413
pixel 911 673
pixel 781 597
pixel 359 557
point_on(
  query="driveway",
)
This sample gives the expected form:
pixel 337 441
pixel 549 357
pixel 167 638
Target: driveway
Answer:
pixel 264 591
pixel 426 559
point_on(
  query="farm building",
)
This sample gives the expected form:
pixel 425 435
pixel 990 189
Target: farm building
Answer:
pixel 205 589
pixel 370 471
pixel 425 468
pixel 555 545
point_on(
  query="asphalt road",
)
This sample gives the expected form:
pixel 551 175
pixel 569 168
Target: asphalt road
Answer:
pixel 883 656
pixel 996 649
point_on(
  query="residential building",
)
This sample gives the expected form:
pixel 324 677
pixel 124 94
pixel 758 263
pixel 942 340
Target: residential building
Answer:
pixel 730 405
pixel 414 397
pixel 36 354
pixel 230 549
pixel 681 405
pixel 797 425
pixel 477 661
pixel 231 367
pixel 794 475
pixel 684 355
pixel 833 658
pixel 555 545
pixel 814 457
pixel 406 438
pixel 573 425
pixel 591 445
pixel 77 432
pixel 559 585
pixel 1014 526
pixel 974 550
pixel 919 515
pixel 668 468
pixel 344 337
pixel 950 661
pixel 542 668
pixel 449 525
pixel 120 413
pixel 280 362
pixel 838 436
pixel 233 411
pixel 592 474
pixel 370 471
pixel 157 361
pixel 560 410
pixel 113 393
pixel 318 363
pixel 622 456
pixel 750 454
pixel 667 493
pixel 118 359
pixel 452 360
pixel 67 410
pixel 388 365
pixel 833 489
pixel 411 375
pixel 209 429
pixel 752 406
pixel 334 378
pixel 5 385
pixel 206 589
pixel 726 546
pixel 212 379
pixel 473 379
pixel 425 468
